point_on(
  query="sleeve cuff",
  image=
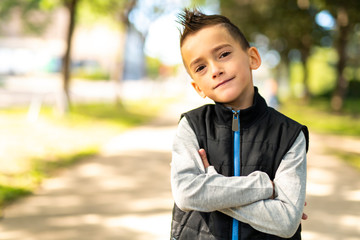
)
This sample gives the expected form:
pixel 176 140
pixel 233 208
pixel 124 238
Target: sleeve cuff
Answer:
pixel 210 170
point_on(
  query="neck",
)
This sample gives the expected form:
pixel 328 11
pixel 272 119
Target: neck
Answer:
pixel 245 102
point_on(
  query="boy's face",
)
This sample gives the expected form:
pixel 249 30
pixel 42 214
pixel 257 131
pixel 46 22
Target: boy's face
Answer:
pixel 219 67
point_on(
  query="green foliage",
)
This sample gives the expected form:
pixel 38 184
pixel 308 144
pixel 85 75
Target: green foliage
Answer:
pixel 290 25
pixel 92 12
pixel 34 18
pixel 152 67
pixel 322 74
pixel 50 4
pixel 354 90
pixel 284 22
pixel 351 6
pixel 6 7
pixel 197 3
pixel 296 75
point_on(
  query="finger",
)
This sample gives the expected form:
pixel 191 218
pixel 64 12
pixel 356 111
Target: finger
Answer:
pixel 202 153
pixel 204 158
pixel 273 195
pixel 305 203
pixel 304 216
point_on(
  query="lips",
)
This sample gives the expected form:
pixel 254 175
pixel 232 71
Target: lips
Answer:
pixel 223 82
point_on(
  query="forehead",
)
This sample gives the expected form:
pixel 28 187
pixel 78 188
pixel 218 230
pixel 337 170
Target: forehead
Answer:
pixel 204 41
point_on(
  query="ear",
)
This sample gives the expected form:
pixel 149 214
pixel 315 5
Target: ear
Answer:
pixel 198 89
pixel 254 57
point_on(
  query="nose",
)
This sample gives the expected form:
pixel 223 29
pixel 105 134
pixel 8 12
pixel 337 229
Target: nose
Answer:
pixel 216 70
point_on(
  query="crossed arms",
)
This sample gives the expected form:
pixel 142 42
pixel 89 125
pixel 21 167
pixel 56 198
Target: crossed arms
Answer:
pixel 249 199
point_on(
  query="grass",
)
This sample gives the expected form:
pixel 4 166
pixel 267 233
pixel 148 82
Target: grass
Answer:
pixel 351 158
pixel 9 194
pixel 318 116
pixel 111 114
pixel 41 169
pixel 33 151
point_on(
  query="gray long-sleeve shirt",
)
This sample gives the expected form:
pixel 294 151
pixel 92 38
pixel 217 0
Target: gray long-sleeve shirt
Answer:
pixel 245 198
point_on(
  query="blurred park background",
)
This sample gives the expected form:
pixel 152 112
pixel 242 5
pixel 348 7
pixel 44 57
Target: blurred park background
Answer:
pixel 76 75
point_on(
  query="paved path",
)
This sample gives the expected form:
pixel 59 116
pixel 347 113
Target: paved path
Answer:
pixel 333 191
pixel 122 194
pixel 125 194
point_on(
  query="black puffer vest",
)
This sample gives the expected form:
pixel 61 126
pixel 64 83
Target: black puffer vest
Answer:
pixel 266 136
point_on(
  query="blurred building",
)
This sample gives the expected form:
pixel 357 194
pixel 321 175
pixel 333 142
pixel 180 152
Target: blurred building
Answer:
pixel 134 60
pixel 20 53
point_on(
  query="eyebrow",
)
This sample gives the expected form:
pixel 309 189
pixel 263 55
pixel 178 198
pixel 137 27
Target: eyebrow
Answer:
pixel 220 47
pixel 217 48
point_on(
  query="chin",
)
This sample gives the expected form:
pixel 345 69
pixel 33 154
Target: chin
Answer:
pixel 230 98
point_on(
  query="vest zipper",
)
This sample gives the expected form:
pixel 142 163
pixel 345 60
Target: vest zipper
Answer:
pixel 236 130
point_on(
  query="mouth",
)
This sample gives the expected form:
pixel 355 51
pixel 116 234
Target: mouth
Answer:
pixel 223 82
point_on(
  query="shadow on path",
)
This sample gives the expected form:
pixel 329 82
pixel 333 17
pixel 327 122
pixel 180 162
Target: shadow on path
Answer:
pixel 333 193
pixel 124 196
pixel 125 193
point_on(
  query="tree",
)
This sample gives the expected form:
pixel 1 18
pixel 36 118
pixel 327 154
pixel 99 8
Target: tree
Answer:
pixel 26 7
pixel 289 24
pixel 120 10
pixel 347 16
pixel 116 12
pixel 71 7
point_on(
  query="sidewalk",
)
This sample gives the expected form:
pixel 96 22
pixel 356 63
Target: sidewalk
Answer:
pixel 122 194
pixel 125 193
pixel 333 192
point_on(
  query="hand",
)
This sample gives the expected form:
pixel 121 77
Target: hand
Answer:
pixel 273 195
pixel 304 216
pixel 204 158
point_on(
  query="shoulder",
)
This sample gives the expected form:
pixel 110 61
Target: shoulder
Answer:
pixel 289 124
pixel 280 116
pixel 198 114
pixel 199 110
pixel 184 130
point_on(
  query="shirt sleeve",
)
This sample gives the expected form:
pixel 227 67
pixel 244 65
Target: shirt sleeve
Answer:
pixel 194 188
pixel 280 216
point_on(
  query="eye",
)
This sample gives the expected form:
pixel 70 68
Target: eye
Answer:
pixel 199 68
pixel 224 54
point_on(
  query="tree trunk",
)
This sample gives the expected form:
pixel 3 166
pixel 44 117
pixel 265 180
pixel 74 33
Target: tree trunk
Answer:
pixel 66 67
pixel 338 97
pixel 118 75
pixel 118 69
pixel 305 52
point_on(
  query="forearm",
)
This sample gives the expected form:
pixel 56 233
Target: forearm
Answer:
pixel 282 215
pixel 194 189
pixel 272 216
pixel 212 191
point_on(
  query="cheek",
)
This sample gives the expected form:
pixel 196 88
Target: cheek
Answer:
pixel 242 67
pixel 240 62
pixel 204 86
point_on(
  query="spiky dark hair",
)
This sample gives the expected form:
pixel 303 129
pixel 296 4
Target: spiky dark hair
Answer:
pixel 194 20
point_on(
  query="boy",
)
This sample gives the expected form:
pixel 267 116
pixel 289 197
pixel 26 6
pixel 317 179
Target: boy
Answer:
pixel 238 169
